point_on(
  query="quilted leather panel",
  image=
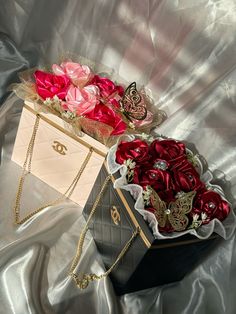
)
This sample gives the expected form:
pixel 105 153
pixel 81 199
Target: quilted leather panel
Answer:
pixel 111 238
pixel 55 169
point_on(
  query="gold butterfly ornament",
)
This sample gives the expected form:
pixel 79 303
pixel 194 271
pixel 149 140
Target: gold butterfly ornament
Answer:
pixel 132 104
pixel 175 212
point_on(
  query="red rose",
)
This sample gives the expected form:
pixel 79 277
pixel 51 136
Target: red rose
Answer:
pixel 107 116
pixel 136 174
pixel 159 180
pixel 107 87
pixel 49 85
pixel 136 150
pixel 186 178
pixel 167 149
pixel 211 204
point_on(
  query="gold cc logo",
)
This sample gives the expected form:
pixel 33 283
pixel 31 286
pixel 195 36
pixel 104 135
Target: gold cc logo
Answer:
pixel 59 148
pixel 115 215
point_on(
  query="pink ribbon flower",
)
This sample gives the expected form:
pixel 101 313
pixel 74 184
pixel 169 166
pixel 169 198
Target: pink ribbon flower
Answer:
pixel 81 101
pixel 108 116
pixel 108 89
pixel 77 73
pixel 49 85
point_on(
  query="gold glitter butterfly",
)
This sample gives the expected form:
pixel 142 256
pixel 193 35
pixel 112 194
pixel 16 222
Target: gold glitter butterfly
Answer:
pixel 175 212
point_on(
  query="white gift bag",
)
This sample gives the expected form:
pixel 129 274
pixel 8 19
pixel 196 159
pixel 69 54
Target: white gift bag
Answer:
pixel 46 147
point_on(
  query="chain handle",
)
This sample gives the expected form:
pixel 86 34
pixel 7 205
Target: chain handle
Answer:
pixel 27 169
pixel 86 278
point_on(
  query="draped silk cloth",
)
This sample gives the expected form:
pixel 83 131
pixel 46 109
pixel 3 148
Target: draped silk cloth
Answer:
pixel 185 52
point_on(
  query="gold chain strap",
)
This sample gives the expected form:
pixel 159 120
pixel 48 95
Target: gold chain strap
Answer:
pixel 86 278
pixel 27 169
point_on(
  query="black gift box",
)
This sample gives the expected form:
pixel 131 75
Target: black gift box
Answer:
pixel 148 262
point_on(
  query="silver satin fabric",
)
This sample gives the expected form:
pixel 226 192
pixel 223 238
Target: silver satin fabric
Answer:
pixel 185 52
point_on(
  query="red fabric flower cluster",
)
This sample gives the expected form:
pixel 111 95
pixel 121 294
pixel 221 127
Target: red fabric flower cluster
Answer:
pixel 164 167
pixel 82 93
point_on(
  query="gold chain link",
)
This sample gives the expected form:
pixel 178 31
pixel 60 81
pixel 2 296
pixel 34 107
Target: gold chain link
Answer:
pixel 86 278
pixel 27 169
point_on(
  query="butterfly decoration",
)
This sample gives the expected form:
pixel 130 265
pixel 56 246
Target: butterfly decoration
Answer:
pixel 175 212
pixel 133 104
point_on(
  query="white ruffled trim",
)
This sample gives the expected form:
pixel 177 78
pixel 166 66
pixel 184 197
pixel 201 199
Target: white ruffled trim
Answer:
pixel 225 229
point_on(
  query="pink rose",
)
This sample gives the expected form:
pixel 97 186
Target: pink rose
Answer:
pixel 77 73
pixel 49 85
pixel 81 101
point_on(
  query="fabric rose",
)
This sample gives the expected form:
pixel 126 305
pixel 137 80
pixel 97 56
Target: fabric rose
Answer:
pixel 49 85
pixel 77 73
pixel 107 88
pixel 108 116
pixel 81 101
pixel 186 178
pixel 211 204
pixel 167 149
pixel 159 180
pixel 136 150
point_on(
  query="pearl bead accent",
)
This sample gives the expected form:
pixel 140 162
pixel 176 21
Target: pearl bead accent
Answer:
pixel 153 175
pixel 211 205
